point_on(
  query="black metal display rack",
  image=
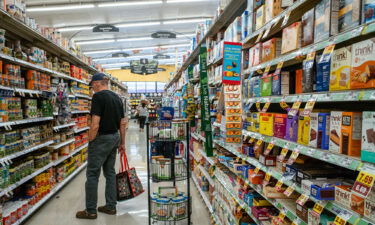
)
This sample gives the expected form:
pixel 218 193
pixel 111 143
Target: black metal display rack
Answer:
pixel 168 183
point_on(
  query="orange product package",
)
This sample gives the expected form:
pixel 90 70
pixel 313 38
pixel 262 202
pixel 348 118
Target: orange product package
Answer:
pixel 256 178
pixel 351 132
pixel 299 76
pixel 363 64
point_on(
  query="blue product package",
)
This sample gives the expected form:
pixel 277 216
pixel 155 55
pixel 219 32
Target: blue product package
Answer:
pixel 323 130
pixel 323 70
pixel 368 11
pixel 276 84
pixel 166 113
pixel 245 20
pixel 256 87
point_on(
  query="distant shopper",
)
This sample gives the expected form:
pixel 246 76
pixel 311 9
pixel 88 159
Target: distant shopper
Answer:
pixel 142 115
pixel 107 120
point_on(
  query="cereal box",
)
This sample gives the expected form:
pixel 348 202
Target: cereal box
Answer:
pixel 279 125
pixel 291 131
pixel 363 64
pixel 323 130
pixel 266 85
pixel 308 76
pixel 349 14
pixel 326 19
pixel 271 49
pixel 266 124
pixel 256 87
pixel 304 130
pixel 287 83
pixel 369 209
pixel 260 17
pixel 291 38
pixel 273 8
pixel 313 142
pixel 276 84
pixel 368 137
pixel 368 11
pixel 256 54
pixel 299 78
pixel 335 131
pixel 341 63
pixel 351 130
pixel 308 28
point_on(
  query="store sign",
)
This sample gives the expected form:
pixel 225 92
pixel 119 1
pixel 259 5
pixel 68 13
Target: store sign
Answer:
pixel 105 28
pixel 144 66
pixel 163 34
pixel 161 56
pixel 232 63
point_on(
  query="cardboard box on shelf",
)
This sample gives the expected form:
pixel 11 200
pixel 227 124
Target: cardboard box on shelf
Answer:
pixel 357 204
pixel 349 14
pixel 343 195
pixel 304 130
pixel 308 76
pixel 314 124
pixel 368 11
pixel 276 84
pixel 368 136
pixel 308 28
pixel 267 160
pixel 266 124
pixel 271 49
pixel 303 211
pixel 255 121
pixel 369 210
pixel 326 19
pixel 341 64
pixel 291 128
pixel 260 17
pixel 363 64
pixel 287 83
pixel 258 3
pixel 256 86
pixel 291 38
pixel 323 130
pixel 299 81
pixel 266 85
pixel 323 69
pixel 273 8
pixel 351 130
pixel 335 131
pixel 256 54
pixel 279 125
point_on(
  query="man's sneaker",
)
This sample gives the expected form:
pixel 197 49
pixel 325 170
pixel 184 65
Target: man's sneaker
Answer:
pixel 85 215
pixel 106 210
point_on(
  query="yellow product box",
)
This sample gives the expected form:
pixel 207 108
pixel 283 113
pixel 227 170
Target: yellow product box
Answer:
pixel 266 124
pixel 260 17
pixel 273 8
pixel 261 202
pixel 341 64
pixel 304 130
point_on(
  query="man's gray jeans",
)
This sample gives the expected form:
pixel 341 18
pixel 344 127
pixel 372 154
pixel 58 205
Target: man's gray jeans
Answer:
pixel 102 153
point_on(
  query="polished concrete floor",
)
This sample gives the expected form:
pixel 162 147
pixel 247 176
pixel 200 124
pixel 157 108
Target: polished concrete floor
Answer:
pixel 62 208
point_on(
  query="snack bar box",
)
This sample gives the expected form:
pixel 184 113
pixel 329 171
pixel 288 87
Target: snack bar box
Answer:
pixel 368 136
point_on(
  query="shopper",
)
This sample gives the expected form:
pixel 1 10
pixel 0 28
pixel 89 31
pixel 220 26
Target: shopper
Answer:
pixel 142 115
pixel 108 118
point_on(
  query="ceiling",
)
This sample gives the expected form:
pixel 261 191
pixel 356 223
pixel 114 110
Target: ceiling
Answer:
pixel 137 21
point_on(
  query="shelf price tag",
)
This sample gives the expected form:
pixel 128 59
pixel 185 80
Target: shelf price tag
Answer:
pixel 267 70
pixel 341 218
pixel 309 107
pixel 302 199
pixel 318 208
pixel 266 106
pixel 256 170
pixel 269 148
pixel 267 177
pixel 251 140
pixel 293 156
pixel 281 216
pixel 257 104
pixel 279 185
pixel 279 67
pixel 364 183
pixel 295 108
pixel 267 32
pixel 283 154
pixel 286 19
pixel 284 105
pixel 259 36
pixel 289 191
pixel 257 145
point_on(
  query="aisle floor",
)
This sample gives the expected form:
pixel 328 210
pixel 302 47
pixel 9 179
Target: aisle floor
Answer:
pixel 61 209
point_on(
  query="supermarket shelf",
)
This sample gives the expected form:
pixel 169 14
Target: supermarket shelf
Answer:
pixel 79 111
pixel 63 158
pixel 81 129
pixel 350 36
pixel 24 152
pixel 204 196
pixel 59 145
pixel 194 156
pixel 353 163
pixel 210 160
pixel 220 201
pixel 207 175
pixel 64 126
pixel 25 121
pixel 82 96
pixel 274 26
pixel 216 62
pixel 231 11
pixel 52 193
pixel 25 179
pixel 337 96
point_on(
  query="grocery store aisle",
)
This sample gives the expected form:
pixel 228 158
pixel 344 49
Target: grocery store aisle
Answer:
pixel 62 208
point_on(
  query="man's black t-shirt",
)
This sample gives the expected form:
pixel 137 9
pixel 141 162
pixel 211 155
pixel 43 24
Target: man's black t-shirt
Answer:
pixel 109 107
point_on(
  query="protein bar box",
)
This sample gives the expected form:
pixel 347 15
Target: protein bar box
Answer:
pixel 351 131
pixel 335 131
pixel 368 136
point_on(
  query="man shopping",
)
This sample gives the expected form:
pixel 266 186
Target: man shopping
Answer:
pixel 107 119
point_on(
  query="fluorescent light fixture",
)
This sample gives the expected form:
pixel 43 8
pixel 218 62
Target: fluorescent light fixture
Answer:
pixel 135 3
pixel 103 51
pixel 137 56
pixel 135 39
pixel 67 29
pixel 174 46
pixel 59 8
pixel 185 35
pixel 138 24
pixel 132 49
pixel 94 42
pixel 184 21
pixel 116 64
pixel 185 1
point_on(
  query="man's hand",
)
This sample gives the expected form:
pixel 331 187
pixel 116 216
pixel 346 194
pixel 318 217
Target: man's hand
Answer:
pixel 121 149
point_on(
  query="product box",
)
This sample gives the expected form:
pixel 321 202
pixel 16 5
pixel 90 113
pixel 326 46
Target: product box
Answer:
pixel 245 25
pixel 309 76
pixel 256 86
pixel 317 174
pixel 276 84
pixel 266 85
pixel 343 195
pixel 291 128
pixel 256 54
pixel 271 49
pixel 258 3
pixel 303 211
pixel 323 69
pixel 273 8
pixel 368 137
pixel 325 189
pixel 351 130
pixel 287 83
pixel 304 130
pixel 349 14
pixel 335 131
pixel 368 11
pixel 314 125
pixel 279 125
pixel 267 160
pixel 326 19
pixel 298 82
pixel 291 38
pixel 357 204
pixel 369 209
pixel 260 17
pixel 255 121
pixel 308 28
pixel 260 201
pixel 266 124
pixel 363 64
pixel 256 178
pixel 323 130
pixel 341 64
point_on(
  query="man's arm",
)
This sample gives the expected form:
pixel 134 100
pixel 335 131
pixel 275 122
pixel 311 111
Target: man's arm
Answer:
pixel 123 123
pixel 94 127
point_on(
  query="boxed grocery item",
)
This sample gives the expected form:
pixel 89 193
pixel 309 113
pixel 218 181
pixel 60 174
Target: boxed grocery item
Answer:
pixel 357 204
pixel 267 160
pixel 287 83
pixel 323 69
pixel 266 124
pixel 303 211
pixel 260 17
pixel 343 195
pixel 315 173
pixel 276 84
pixel 314 124
pixel 304 130
pixel 266 85
pixel 291 38
pixel 256 178
pixel 326 19
pixel 335 131
pixel 258 3
pixel 245 24
pixel 298 82
pixel 256 86
pixel 368 137
pixel 271 49
pixel 291 128
pixel 308 76
pixel 260 201
pixel 363 64
pixel 349 14
pixel 260 212
pixel 368 11
pixel 369 209
pixel 322 219
pixel 323 130
pixel 351 133
pixel 324 189
pixel 308 28
pixel 255 121
pixel 341 64
pixel 273 8
pixel 257 50
pixel 279 125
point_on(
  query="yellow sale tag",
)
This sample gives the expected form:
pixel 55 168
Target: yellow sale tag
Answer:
pixel 281 216
pixel 289 191
pixel 310 56
pixel 259 142
pixel 256 170
pixel 267 177
pixel 251 140
pixel 339 221
pixel 284 105
pixel 279 184
pixel 266 106
pixel 269 148
pixel 318 208
pixel 268 68
pixel 294 155
pixel 257 104
pixel 329 49
pixel 284 152
pixel 259 71
pixel 366 178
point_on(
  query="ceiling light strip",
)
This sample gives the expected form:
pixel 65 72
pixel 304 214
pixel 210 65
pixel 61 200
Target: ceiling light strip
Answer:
pixel 132 49
pixel 59 8
pixel 114 4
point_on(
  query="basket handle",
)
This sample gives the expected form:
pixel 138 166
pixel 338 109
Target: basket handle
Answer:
pixel 123 162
